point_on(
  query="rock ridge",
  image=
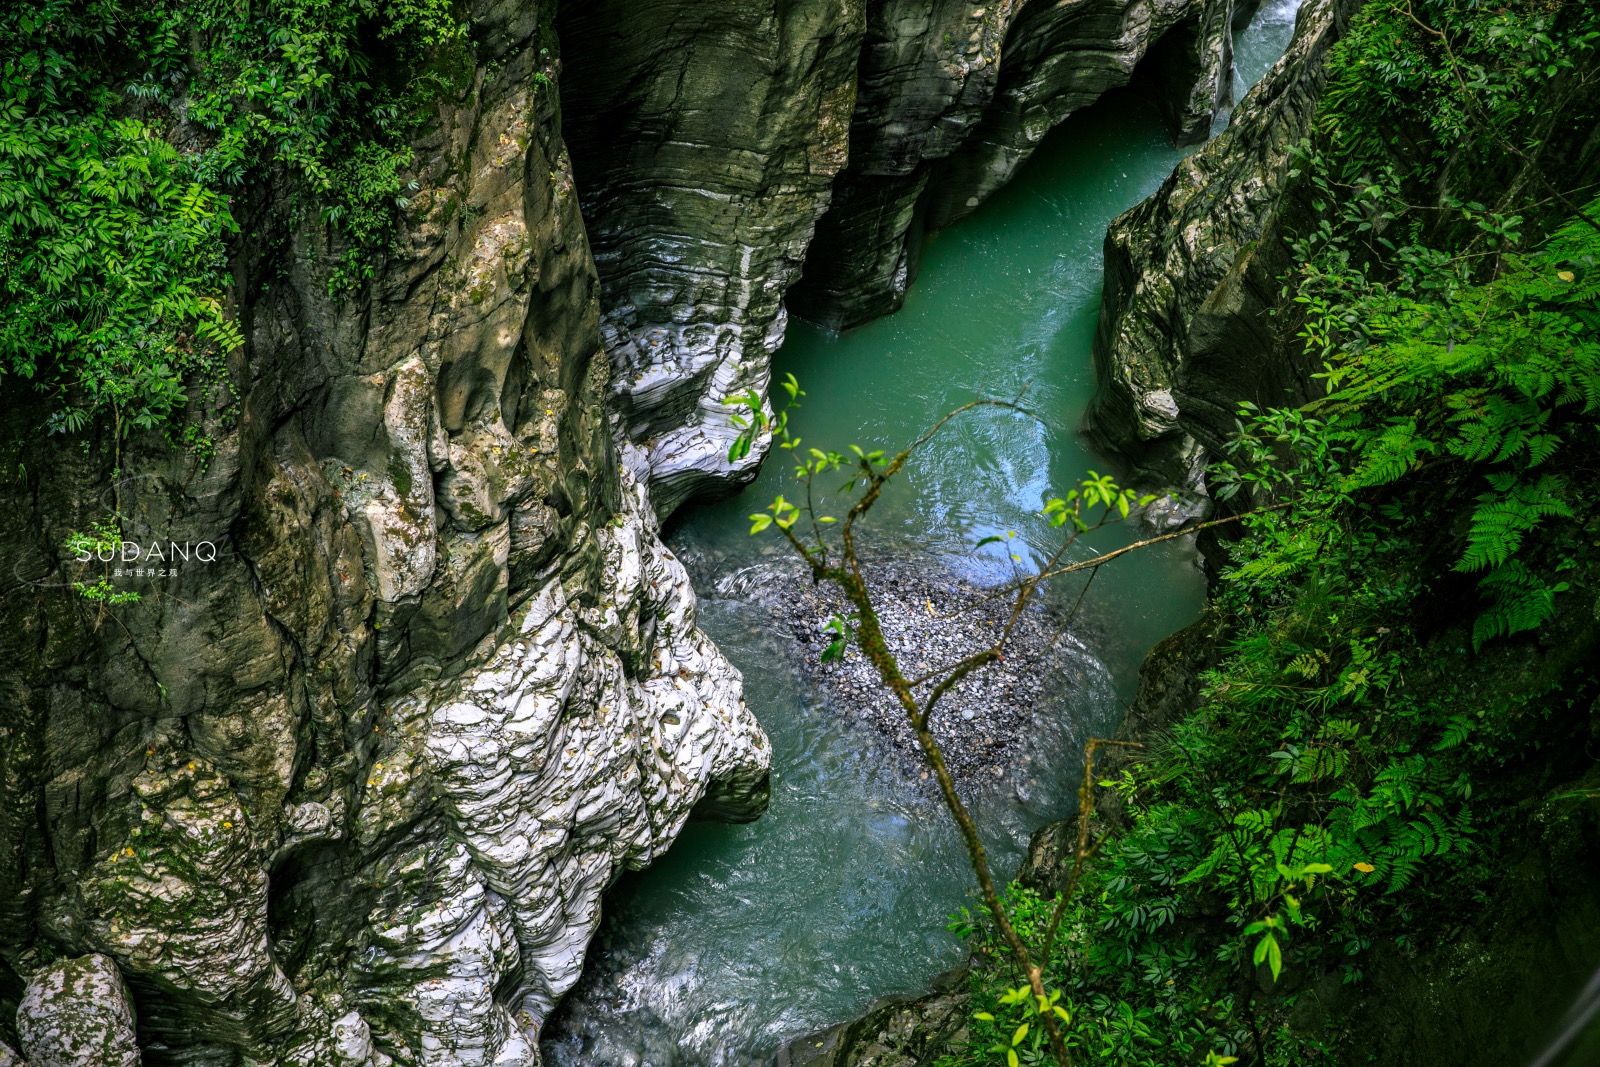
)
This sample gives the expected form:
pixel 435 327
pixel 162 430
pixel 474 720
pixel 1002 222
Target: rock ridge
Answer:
pixel 1185 329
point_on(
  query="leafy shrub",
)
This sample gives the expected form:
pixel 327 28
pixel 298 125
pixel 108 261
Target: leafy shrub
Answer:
pixel 125 127
pixel 1333 791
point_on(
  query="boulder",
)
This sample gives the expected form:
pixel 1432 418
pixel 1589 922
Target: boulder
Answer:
pixel 75 1013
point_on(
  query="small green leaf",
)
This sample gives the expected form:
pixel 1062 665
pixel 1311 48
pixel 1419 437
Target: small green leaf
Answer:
pixel 1269 950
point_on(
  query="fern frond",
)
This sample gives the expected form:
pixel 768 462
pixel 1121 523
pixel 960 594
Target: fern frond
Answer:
pixel 1518 601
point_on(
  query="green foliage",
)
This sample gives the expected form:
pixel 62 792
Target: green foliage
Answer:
pixel 103 540
pixel 125 128
pixel 1428 370
pixel 1096 501
pixel 1332 794
pixel 1425 84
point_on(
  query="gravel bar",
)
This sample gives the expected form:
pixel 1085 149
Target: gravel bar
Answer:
pixel 983 723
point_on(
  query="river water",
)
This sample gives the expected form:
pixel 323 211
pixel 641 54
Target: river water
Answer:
pixel 745 936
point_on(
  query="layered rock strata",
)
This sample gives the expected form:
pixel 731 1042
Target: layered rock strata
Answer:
pixel 1191 277
pixel 706 137
pixel 344 785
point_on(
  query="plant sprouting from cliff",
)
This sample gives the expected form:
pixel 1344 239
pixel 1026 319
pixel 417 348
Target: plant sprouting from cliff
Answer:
pixel 102 543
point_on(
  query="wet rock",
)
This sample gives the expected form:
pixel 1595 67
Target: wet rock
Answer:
pixel 895 1032
pixel 350 790
pixel 75 1013
pixel 705 138
pixel 955 97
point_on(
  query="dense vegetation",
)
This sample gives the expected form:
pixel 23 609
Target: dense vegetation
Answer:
pixel 1364 752
pixel 130 130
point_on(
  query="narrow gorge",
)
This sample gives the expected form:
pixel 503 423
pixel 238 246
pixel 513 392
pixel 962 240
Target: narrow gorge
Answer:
pixel 391 675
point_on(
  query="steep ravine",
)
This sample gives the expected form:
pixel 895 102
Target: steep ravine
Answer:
pixel 350 791
pixel 748 935
pixel 946 116
pixel 1185 332
pixel 708 144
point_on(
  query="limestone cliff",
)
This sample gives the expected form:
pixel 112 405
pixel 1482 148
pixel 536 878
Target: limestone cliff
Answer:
pixel 345 784
pixel 955 98
pixel 706 138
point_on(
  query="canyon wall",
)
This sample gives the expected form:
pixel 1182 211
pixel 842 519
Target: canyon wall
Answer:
pixel 706 138
pixel 1193 319
pixel 1191 278
pixel 955 98
pixel 345 784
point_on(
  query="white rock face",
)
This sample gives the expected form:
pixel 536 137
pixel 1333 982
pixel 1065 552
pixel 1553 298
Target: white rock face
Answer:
pixel 75 1013
pixel 672 386
pixel 557 768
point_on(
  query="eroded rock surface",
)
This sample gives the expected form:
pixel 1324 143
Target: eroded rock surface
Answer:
pixel 706 137
pixel 709 140
pixel 344 787
pixel 954 99
pixel 895 1032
